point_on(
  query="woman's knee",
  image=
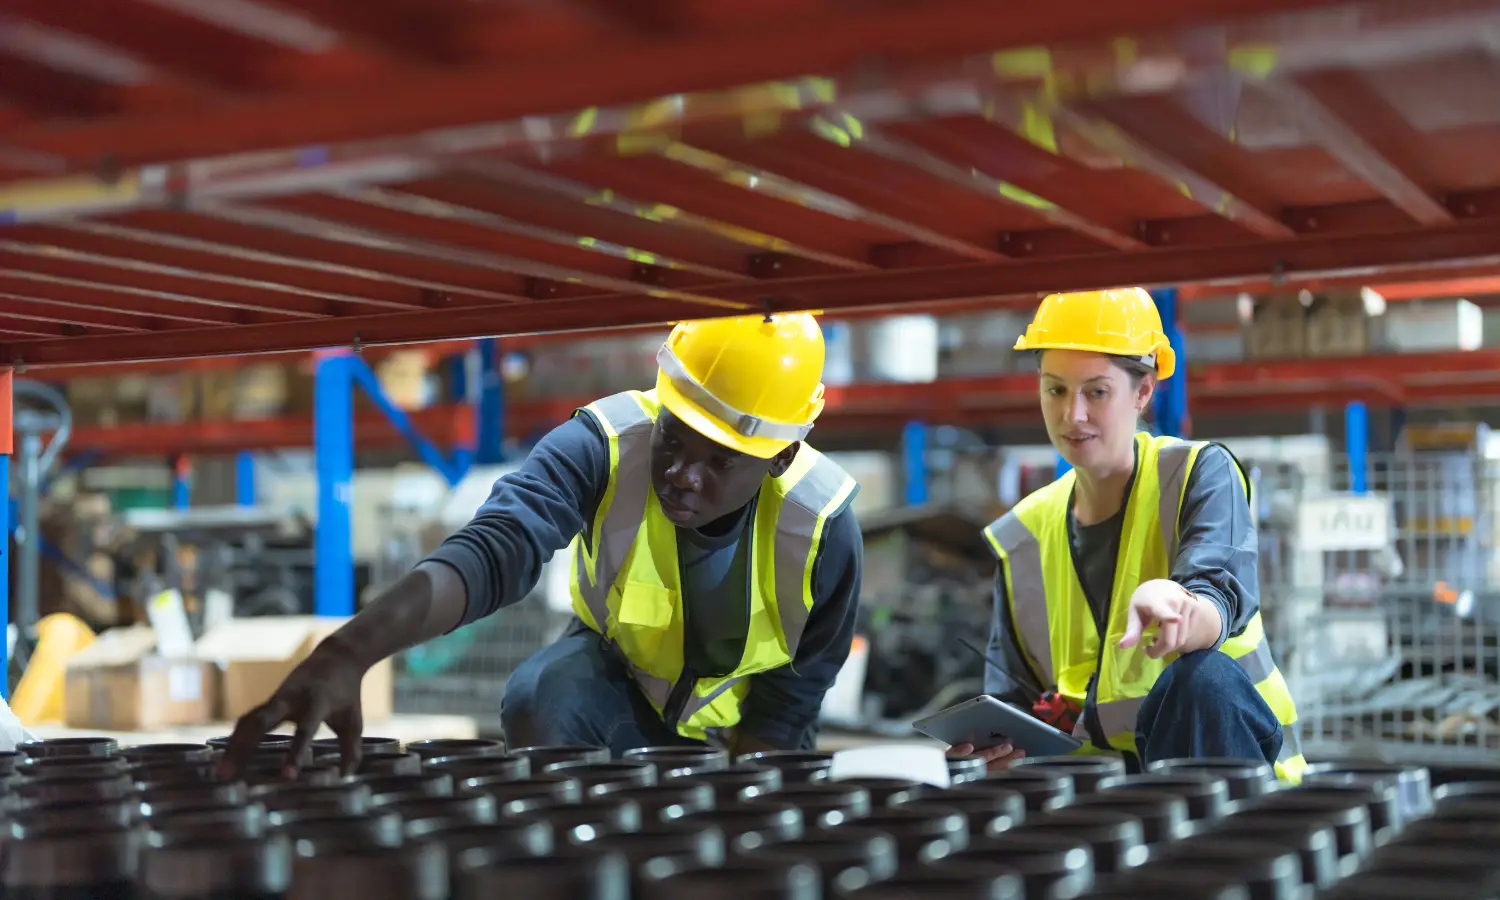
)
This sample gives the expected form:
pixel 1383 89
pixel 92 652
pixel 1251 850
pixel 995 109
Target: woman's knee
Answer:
pixel 1207 675
pixel 1209 684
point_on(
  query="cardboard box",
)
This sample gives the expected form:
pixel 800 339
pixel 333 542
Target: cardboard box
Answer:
pixel 120 683
pixel 255 655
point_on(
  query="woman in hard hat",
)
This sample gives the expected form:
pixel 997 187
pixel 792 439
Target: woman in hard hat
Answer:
pixel 714 560
pixel 1147 542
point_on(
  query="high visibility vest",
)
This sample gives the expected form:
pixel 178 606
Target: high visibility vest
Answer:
pixel 625 579
pixel 1055 626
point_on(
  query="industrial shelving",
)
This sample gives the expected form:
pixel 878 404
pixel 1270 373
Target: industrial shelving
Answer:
pixel 186 180
pixel 1392 380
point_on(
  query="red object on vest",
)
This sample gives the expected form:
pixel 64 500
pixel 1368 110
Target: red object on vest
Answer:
pixel 1057 711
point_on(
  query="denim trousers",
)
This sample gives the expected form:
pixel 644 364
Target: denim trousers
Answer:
pixel 577 691
pixel 1204 705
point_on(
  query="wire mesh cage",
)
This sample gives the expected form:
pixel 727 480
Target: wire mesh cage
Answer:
pixel 1389 632
pixel 464 672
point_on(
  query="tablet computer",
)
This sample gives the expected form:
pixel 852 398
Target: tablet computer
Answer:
pixel 985 722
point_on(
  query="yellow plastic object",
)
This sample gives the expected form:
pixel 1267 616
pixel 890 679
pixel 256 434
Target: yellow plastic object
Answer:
pixel 39 696
pixel 751 383
pixel 1121 322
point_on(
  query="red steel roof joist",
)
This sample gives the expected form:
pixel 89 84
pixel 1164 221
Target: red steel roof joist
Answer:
pixel 198 181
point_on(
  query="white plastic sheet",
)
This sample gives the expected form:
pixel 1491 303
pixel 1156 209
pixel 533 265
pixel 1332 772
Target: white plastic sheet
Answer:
pixel 926 763
pixel 12 732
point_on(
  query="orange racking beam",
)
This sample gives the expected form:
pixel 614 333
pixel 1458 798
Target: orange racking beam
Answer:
pixel 1217 389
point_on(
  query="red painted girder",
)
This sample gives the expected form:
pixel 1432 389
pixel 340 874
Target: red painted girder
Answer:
pixel 623 71
pixel 1308 256
pixel 1214 390
pixel 434 351
pixel 446 426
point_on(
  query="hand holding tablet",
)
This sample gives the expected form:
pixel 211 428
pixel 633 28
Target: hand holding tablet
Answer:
pixel 985 723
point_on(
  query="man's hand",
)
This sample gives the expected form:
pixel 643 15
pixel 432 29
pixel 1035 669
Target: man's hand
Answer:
pixel 996 759
pixel 745 742
pixel 1186 622
pixel 322 688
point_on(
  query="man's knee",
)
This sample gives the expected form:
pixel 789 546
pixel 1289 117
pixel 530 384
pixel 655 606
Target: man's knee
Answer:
pixel 553 688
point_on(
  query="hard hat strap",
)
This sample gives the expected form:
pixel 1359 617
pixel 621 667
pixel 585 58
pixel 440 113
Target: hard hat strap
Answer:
pixel 743 423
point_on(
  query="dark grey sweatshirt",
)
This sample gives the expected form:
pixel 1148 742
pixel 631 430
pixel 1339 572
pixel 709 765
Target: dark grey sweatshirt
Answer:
pixel 1216 560
pixel 535 511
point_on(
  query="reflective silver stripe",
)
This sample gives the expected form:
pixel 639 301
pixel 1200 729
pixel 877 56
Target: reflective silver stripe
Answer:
pixel 744 423
pixel 623 415
pixel 1291 742
pixel 820 492
pixel 1028 590
pixel 1118 716
pixel 1258 663
pixel 1172 470
pixel 696 703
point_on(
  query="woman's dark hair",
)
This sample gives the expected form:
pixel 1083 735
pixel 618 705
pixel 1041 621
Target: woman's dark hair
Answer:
pixel 1133 366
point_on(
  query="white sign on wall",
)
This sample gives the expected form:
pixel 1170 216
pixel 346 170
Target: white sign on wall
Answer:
pixel 1344 522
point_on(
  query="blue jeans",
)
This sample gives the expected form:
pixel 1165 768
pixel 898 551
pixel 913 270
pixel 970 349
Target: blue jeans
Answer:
pixel 577 691
pixel 1204 705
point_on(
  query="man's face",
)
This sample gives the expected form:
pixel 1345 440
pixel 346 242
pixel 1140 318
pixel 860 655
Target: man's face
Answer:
pixel 698 480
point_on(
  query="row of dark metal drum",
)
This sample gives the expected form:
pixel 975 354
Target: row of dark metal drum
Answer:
pixel 467 819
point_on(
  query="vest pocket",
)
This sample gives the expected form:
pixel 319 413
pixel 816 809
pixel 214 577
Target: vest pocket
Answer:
pixel 644 614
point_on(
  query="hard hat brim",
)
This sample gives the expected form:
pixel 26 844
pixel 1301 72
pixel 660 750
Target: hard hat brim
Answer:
pixel 1166 360
pixel 696 418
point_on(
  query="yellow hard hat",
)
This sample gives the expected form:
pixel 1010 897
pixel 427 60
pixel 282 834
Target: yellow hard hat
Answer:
pixel 751 383
pixel 1122 322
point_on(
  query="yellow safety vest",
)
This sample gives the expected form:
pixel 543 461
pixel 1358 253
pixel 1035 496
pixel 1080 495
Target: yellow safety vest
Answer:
pixel 1056 629
pixel 625 574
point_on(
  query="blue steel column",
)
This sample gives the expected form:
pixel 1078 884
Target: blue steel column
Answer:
pixel 333 451
pixel 244 478
pixel 182 482
pixel 1171 401
pixel 6 447
pixel 914 462
pixel 490 409
pixel 1357 445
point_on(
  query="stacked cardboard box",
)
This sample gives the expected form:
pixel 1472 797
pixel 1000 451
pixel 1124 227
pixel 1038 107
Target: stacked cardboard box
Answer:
pixel 128 681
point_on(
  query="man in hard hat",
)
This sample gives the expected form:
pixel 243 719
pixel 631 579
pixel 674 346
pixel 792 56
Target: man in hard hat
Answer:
pixel 1127 603
pixel 715 564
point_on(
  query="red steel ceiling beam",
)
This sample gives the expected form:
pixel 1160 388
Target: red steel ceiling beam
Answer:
pixel 1077 73
pixel 1309 256
pixel 452 251
pixel 798 194
pixel 622 71
pixel 1354 146
pixel 19 257
pixel 418 205
pixel 235 250
pixel 189 49
pixel 872 141
pixel 648 210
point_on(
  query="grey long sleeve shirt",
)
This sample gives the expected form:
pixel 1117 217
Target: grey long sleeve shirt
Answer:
pixel 1216 560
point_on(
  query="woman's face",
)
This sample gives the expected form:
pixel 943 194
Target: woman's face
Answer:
pixel 1092 408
